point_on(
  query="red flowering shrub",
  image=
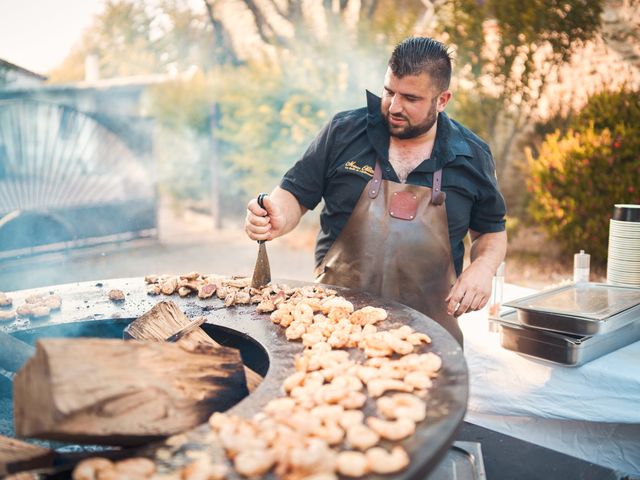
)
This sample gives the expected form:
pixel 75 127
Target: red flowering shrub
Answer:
pixel 578 177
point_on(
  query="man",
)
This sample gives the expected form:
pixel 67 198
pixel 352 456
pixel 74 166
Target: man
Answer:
pixel 384 172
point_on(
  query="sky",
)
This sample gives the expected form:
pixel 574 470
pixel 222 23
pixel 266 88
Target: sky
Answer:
pixel 38 34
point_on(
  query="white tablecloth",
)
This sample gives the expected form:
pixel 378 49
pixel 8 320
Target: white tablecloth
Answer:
pixel 591 412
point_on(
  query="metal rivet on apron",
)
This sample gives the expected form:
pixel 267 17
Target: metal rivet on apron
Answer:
pixel 391 213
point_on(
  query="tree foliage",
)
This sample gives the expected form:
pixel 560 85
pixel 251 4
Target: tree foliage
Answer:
pixel 138 37
pixel 578 176
pixel 277 69
pixel 506 52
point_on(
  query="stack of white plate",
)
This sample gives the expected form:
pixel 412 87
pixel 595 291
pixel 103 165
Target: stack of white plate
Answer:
pixel 623 262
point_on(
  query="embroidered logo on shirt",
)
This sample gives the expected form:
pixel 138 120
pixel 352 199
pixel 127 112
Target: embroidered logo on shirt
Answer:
pixel 367 170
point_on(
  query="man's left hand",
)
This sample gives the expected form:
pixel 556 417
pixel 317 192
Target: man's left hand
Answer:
pixel 472 289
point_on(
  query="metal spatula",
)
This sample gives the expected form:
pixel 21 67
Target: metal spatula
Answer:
pixel 262 271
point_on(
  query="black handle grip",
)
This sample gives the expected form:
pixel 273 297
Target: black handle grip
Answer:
pixel 261 198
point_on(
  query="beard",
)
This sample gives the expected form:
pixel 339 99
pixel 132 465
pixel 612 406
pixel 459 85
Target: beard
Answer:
pixel 410 130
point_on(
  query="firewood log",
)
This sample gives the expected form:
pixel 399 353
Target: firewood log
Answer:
pixel 16 456
pixel 122 393
pixel 164 320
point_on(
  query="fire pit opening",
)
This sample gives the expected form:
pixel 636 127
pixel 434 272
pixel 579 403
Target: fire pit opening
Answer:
pixel 253 354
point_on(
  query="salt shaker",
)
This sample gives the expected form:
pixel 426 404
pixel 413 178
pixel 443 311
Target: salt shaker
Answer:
pixel 581 263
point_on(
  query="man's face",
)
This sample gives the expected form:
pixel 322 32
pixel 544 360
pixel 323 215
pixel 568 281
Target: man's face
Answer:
pixel 410 105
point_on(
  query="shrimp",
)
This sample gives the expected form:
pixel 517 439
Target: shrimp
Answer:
pixel 402 332
pixel 294 380
pixel 352 464
pixel 418 338
pixel 362 437
pixel 295 330
pixel 310 339
pixel 348 382
pixel 90 468
pixel 329 431
pixel 337 302
pixel 396 344
pixel 368 315
pixel 402 405
pixel 381 461
pixel 353 400
pixel 350 417
pixel 280 405
pixel 431 362
pixel 331 412
pixel 203 469
pixel 303 313
pixel 314 456
pixel 136 467
pixel 418 380
pixel 338 338
pixel 392 430
pixel 366 374
pixel 377 386
pixel 254 462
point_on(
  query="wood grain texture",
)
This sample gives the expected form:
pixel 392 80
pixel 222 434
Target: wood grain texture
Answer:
pixel 16 456
pixel 123 393
pixel 165 319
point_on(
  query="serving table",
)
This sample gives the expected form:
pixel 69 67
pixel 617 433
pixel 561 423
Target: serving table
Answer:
pixel 591 412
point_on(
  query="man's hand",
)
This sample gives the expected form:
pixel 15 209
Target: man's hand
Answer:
pixel 471 291
pixel 281 213
pixel 473 288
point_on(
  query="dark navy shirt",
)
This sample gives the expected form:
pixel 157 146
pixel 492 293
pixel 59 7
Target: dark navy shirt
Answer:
pixel 340 162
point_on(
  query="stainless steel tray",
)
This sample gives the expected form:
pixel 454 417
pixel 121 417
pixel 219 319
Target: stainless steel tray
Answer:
pixel 580 309
pixel 564 349
pixel 462 462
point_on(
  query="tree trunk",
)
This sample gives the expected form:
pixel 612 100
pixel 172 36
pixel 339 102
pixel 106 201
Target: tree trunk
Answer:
pixel 122 393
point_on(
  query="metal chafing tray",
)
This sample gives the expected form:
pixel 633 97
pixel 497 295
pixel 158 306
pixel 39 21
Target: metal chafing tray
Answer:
pixel 462 462
pixel 580 309
pixel 564 349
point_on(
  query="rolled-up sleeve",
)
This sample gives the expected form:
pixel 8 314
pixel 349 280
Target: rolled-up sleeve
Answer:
pixel 488 212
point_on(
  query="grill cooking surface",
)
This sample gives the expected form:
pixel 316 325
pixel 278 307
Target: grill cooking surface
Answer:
pixel 446 402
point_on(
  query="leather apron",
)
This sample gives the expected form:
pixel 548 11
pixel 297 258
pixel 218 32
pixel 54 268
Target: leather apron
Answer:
pixel 396 245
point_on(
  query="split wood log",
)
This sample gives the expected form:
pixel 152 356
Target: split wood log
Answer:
pixel 16 456
pixel 164 320
pixel 112 392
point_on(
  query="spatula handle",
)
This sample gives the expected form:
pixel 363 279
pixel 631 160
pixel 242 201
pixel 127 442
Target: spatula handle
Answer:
pixel 261 198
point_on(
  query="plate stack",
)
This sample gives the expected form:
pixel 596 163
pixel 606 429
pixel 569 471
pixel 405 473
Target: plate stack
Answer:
pixel 623 261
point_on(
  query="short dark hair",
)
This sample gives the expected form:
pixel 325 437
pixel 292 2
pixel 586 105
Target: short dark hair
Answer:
pixel 416 55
